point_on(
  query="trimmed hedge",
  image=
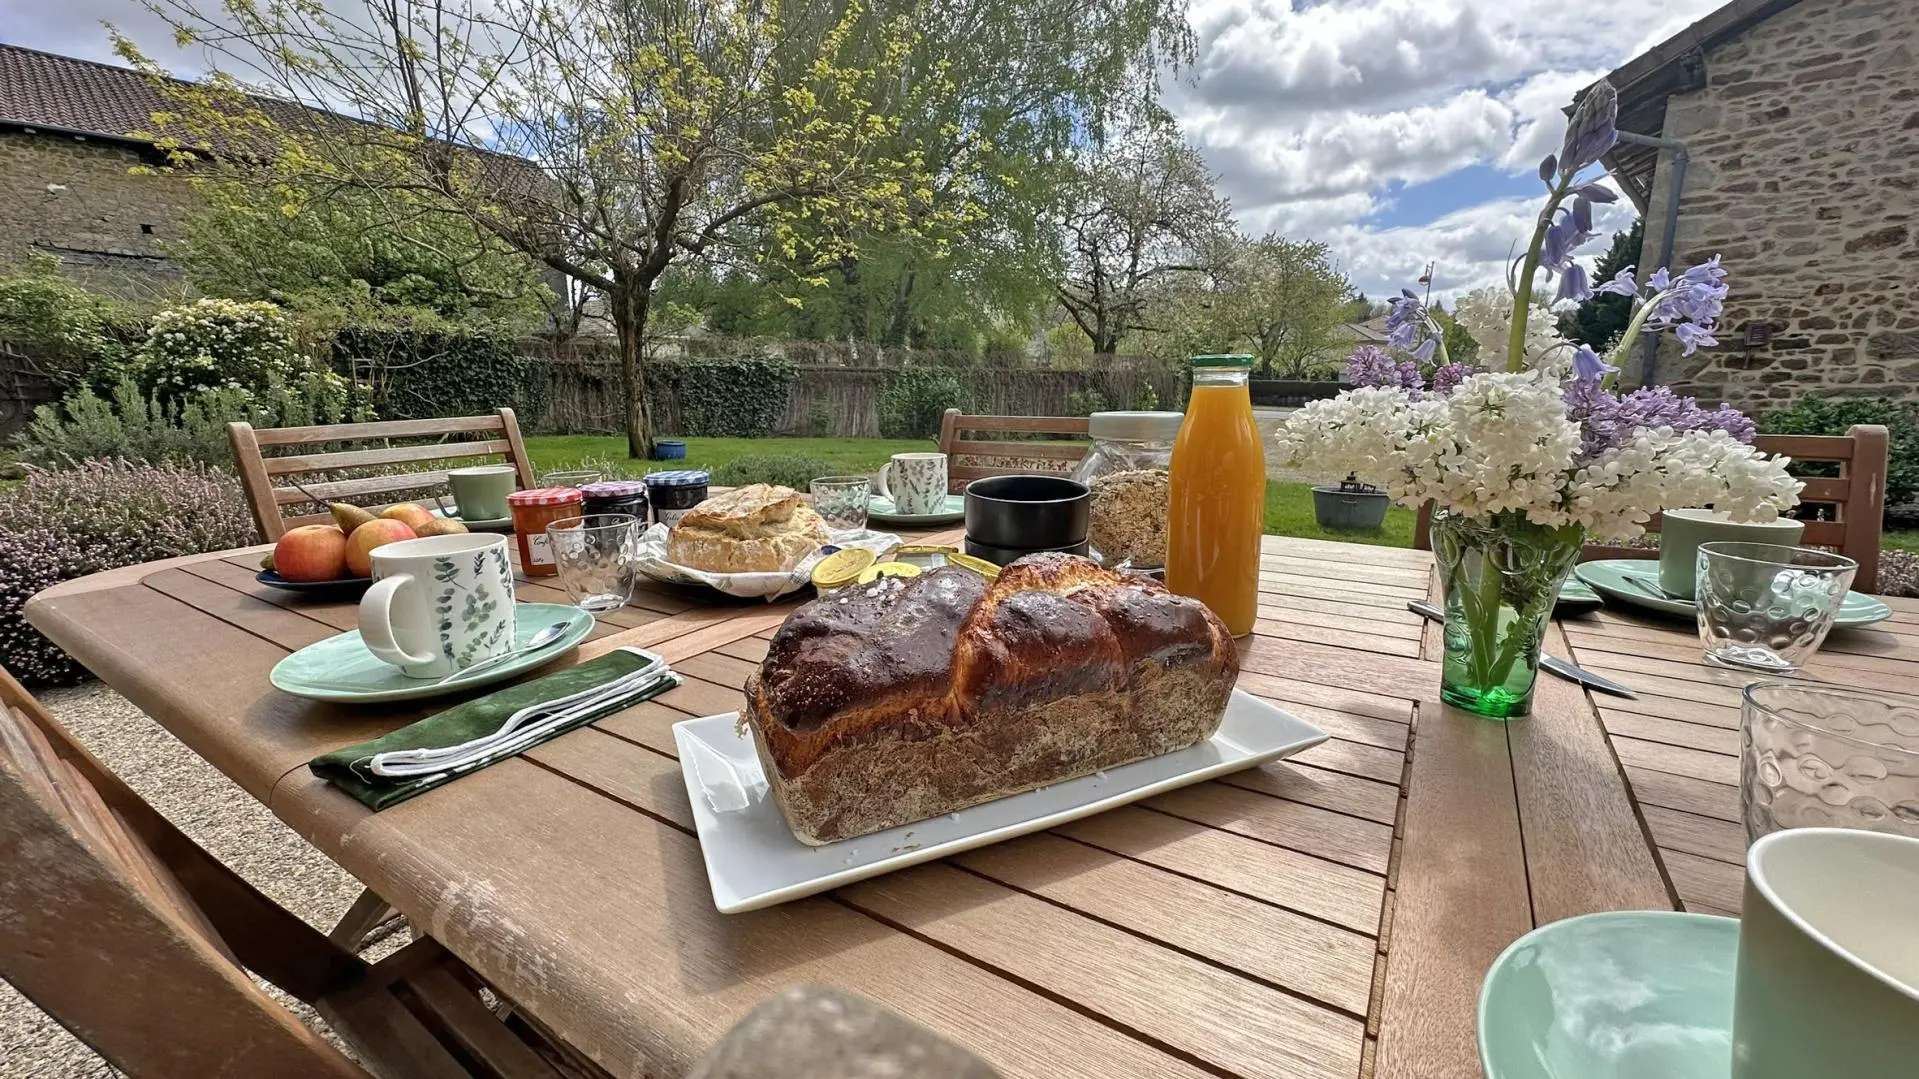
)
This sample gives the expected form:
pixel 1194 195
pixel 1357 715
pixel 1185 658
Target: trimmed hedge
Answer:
pixel 1833 415
pixel 417 374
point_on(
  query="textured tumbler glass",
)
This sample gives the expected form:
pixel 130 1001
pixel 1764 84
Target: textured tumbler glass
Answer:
pixel 594 554
pixel 842 500
pixel 1814 755
pixel 1765 607
pixel 570 478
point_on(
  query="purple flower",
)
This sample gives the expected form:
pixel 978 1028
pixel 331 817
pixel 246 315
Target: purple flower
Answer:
pixel 1447 379
pixel 1608 420
pixel 1574 284
pixel 1405 321
pixel 1693 336
pixel 1583 213
pixel 1370 365
pixel 1622 284
pixel 1593 129
pixel 1424 353
pixel 1547 168
pixel 1596 192
pixel 1659 280
pixel 1588 367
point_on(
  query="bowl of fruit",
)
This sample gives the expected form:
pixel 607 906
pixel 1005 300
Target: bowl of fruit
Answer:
pixel 334 561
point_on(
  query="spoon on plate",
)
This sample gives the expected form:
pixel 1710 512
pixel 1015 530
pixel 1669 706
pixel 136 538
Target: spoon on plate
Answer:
pixel 539 640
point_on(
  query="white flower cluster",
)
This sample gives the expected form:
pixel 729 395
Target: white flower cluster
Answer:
pixel 1503 443
pixel 213 342
pixel 1487 314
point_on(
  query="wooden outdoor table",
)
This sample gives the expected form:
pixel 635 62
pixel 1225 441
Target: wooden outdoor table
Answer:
pixel 1329 915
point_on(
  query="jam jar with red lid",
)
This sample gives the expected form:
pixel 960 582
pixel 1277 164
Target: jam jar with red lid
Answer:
pixel 532 511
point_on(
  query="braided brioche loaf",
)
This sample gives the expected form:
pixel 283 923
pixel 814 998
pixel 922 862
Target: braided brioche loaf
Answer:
pixel 905 699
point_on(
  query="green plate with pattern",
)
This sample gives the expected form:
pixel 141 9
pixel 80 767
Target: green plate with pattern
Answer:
pixel 1620 995
pixel 341 669
pixel 1636 581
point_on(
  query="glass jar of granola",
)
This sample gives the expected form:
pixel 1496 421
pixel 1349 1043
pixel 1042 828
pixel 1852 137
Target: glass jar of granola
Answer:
pixel 1127 471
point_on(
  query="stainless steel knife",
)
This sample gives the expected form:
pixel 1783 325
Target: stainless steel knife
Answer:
pixel 1568 671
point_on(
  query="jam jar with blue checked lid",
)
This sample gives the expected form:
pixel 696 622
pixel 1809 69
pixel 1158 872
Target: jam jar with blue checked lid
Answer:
pixel 673 493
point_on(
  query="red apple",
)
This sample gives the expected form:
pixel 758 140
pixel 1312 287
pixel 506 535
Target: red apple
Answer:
pixel 375 533
pixel 311 553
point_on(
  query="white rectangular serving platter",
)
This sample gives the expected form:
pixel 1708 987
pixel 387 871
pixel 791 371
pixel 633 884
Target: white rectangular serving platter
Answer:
pixel 753 860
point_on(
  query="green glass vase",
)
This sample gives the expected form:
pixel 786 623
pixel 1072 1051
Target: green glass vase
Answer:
pixel 1501 575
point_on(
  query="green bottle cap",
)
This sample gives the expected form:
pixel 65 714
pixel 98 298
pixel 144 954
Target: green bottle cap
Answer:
pixel 1222 361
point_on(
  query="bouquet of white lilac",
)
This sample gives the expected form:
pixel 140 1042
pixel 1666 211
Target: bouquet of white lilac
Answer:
pixel 1524 461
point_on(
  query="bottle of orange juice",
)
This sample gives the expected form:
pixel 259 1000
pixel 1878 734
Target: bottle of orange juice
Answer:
pixel 1218 495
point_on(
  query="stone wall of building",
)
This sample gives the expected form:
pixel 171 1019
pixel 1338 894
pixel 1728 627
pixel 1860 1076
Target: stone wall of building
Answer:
pixel 76 198
pixel 1804 176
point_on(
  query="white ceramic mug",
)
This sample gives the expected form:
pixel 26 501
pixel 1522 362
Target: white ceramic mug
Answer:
pixel 1828 974
pixel 915 482
pixel 439 604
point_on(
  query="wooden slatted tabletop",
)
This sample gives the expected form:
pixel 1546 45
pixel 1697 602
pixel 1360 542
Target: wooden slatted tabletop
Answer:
pixel 1326 916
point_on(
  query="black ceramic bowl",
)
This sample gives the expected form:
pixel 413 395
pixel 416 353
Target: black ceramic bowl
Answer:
pixel 1001 556
pixel 1027 513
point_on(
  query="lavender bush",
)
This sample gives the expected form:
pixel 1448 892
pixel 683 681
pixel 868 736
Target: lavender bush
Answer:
pixel 103 514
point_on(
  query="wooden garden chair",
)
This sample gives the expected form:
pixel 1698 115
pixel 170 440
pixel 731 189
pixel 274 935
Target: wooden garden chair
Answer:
pixel 975 459
pixel 496 435
pixel 1857 498
pixel 139 942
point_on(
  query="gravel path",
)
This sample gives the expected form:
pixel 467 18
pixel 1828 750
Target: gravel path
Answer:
pixel 206 806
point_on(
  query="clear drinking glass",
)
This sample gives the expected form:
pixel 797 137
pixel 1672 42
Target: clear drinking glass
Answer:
pixel 1824 756
pixel 1765 607
pixel 570 478
pixel 594 554
pixel 842 500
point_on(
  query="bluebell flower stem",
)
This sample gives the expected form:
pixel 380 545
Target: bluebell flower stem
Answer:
pixel 1523 287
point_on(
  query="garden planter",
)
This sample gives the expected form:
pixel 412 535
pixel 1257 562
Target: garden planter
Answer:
pixel 1349 510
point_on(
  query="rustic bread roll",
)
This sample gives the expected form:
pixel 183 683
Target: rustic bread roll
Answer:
pixel 908 698
pixel 753 529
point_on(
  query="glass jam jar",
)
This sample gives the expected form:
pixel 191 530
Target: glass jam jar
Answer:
pixel 532 511
pixel 673 493
pixel 1128 470
pixel 616 496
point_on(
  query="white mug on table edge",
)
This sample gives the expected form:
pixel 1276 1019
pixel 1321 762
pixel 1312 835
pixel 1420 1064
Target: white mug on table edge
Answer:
pixel 914 482
pixel 439 604
pixel 1828 972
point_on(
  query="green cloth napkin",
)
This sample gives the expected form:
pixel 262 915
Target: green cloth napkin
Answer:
pixel 474 719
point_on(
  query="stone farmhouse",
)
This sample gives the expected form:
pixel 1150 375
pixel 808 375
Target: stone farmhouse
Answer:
pixel 1784 136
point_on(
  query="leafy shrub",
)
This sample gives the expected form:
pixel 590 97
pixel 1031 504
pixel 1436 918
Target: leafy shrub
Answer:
pixel 68 332
pixel 137 427
pixel 820 420
pixel 786 470
pixel 1146 398
pixel 216 344
pixel 741 397
pixel 915 399
pixel 1085 402
pixel 417 374
pixel 59 525
pixel 1832 416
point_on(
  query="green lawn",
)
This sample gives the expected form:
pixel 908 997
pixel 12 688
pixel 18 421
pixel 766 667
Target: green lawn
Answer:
pixel 1900 541
pixel 1289 506
pixel 607 453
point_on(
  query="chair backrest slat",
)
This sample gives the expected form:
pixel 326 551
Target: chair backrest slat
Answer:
pixel 973 459
pixel 258 472
pixel 97 928
pixel 1858 496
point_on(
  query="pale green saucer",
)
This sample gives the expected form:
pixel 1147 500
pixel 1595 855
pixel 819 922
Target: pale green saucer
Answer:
pixel 881 509
pixel 341 669
pixel 1622 995
pixel 1636 581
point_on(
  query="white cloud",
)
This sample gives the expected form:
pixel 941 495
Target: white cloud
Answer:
pixel 1311 114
